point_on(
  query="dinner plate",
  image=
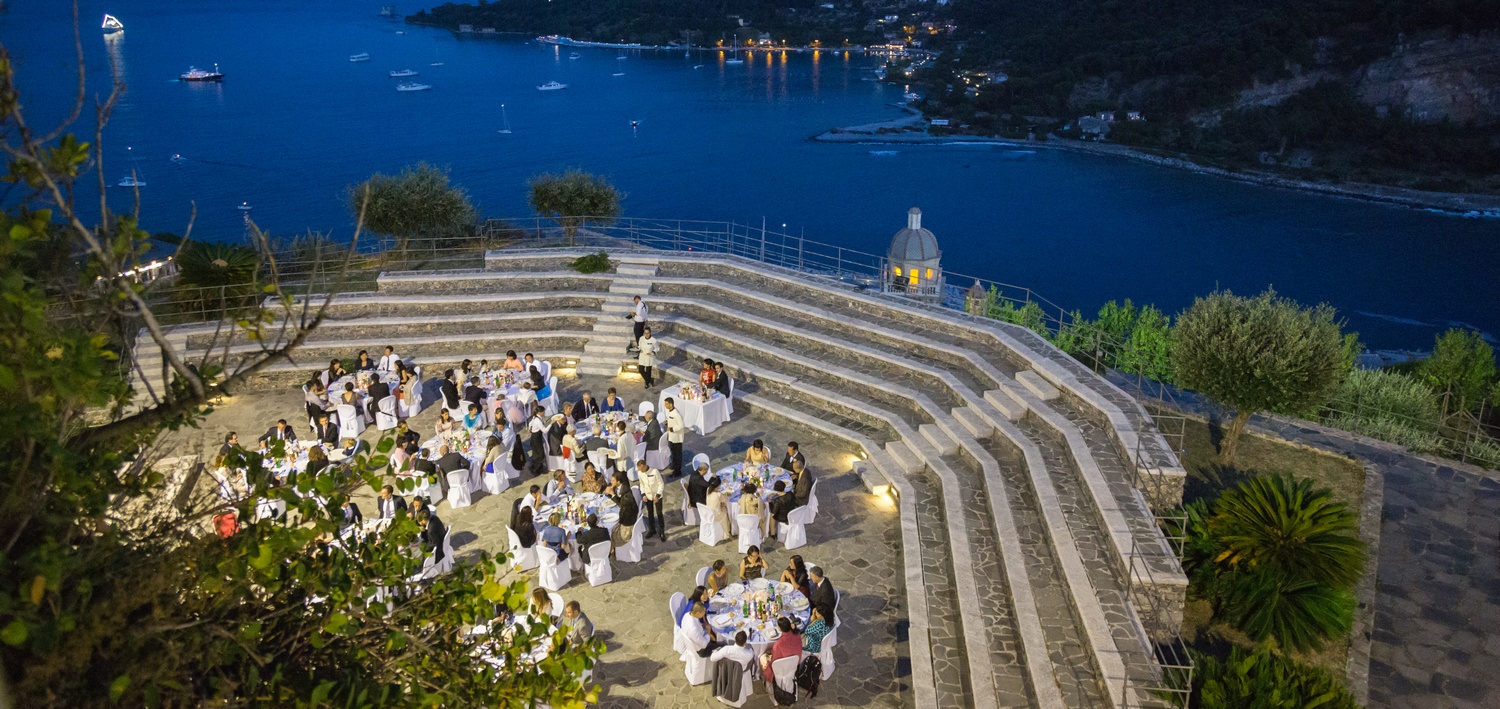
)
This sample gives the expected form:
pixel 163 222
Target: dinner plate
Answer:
pixel 798 604
pixel 760 584
pixel 785 587
pixel 734 589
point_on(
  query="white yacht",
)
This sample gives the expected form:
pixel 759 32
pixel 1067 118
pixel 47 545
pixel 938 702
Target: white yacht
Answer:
pixel 132 181
pixel 402 72
pixel 551 86
pixel 361 57
pixel 412 86
pixel 112 25
pixel 195 74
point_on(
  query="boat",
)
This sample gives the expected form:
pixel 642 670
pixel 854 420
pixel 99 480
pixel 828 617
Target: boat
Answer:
pixel 621 57
pixel 412 86
pixel 618 73
pixel 551 86
pixel 575 55
pixel 244 206
pixel 402 72
pixel 400 31
pixel 735 58
pixel 698 66
pixel 132 181
pixel 195 74
pixel 177 158
pixel 436 64
pixel 361 57
pixel 506 119
pixel 112 25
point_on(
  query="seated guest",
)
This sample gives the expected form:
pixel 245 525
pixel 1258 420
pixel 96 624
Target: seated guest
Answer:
pixel 793 455
pixel 557 429
pixel 405 435
pixel 541 604
pixel 585 407
pixel 445 422
pixel 512 362
pixel 578 626
pixel 473 394
pixel 753 566
pixel 351 515
pixel 526 397
pixel 525 528
pixel 494 457
pixel 451 460
pixel 555 537
pixel 377 390
pixel 474 419
pixel 568 447
pixel 433 532
pixel 282 431
pixel 335 370
pixel 363 363
pixel 449 388
pixel 387 361
pixel 706 375
pixel 407 385
pixel 719 503
pixel 788 645
pixel 591 480
pixel 721 379
pixel 699 595
pixel 484 367
pixel 231 440
pixel 423 467
pixel 351 447
pixel 589 536
pixel 533 498
pixel 812 635
pixel 612 401
pixel 528 361
pixel 539 383
pixel 327 433
pixel 465 369
pixel 734 689
pixel 389 502
pixel 314 399
pixel 795 574
pixel 698 636
pixel 802 482
pixel 749 503
pixel 317 462
pixel 823 596
pixel 758 453
pixel 559 485
pixel 780 505
pixel 349 396
pixel 718 577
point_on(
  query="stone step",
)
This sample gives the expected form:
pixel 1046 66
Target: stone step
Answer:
pixel 1002 401
pixel 1037 385
pixel 614 325
pixel 972 422
pixel 940 440
pixel 904 457
pixel 599 370
pixel 636 270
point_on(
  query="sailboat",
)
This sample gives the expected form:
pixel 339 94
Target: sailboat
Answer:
pixel 735 58
pixel 506 119
pixel 112 25
pixel 621 72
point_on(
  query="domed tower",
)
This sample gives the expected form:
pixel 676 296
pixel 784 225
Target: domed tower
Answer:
pixel 913 264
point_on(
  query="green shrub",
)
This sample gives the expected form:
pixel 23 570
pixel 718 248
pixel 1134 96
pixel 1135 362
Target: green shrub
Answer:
pixel 1461 366
pixel 592 263
pixel 1483 451
pixel 1028 315
pixel 1390 406
pixel 1260 679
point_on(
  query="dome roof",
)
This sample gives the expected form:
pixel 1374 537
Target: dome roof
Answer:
pixel 914 243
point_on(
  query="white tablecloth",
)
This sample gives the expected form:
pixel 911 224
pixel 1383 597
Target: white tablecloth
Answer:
pixel 700 416
pixel 726 611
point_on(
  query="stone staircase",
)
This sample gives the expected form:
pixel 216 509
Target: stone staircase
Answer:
pixel 612 333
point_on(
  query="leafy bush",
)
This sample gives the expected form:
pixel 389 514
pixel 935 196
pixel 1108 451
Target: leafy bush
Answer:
pixel 1483 451
pixel 1461 367
pixel 1261 679
pixel 1028 315
pixel 592 263
pixel 1123 337
pixel 1387 405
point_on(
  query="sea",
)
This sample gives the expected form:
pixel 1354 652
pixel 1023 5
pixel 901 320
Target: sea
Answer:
pixel 295 123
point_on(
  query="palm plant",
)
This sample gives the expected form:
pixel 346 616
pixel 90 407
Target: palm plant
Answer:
pixel 215 278
pixel 1297 613
pixel 1260 679
pixel 1284 527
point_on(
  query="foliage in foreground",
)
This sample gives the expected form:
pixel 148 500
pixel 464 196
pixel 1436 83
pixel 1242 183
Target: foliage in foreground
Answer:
pixel 1261 679
pixel 1258 354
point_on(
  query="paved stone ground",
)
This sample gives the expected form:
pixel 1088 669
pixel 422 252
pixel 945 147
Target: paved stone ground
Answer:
pixel 1435 642
pixel 856 539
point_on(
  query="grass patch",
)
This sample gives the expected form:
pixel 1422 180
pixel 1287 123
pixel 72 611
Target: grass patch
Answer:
pixel 1262 456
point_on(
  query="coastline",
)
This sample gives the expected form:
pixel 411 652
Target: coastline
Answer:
pixel 1449 203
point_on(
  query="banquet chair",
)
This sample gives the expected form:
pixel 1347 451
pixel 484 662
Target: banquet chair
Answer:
pixel 550 404
pixel 268 508
pixel 521 558
pixel 812 500
pixel 495 479
pixel 785 671
pixel 747 684
pixel 323 377
pixel 598 570
pixel 793 534
pixel 644 407
pixel 702 578
pixel 698 669
pixel 557 604
pixel 414 407
pixel 458 489
pixel 551 574
pixel 710 532
pixel 544 368
pixel 675 604
pixel 632 550
pixel 458 413
pixel 750 535
pixel 635 490
pixel 689 515
pixel 430 487
pixel 385 414
pixel 702 459
pixel 731 395
pixel 446 564
pixel 351 421
pixel 223 487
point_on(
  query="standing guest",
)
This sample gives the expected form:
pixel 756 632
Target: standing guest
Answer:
pixel 591 480
pixel 697 487
pixel 449 388
pixel 788 645
pixel 433 532
pixel 578 626
pixel 753 566
pixel 793 455
pixel 445 422
pixel 585 407
pixel 512 363
pixel 363 363
pixel 721 379
pixel 780 505
pixel 706 375
pixel 651 433
pixel 390 503
pixel 718 577
pixel 624 450
pixel 651 496
pixel 719 503
pixel 637 317
pixel 823 596
pixel 377 390
pixel 758 453
pixel 326 432
pixel 557 430
pixel 802 480
pixel 630 512
pixel 387 361
pixel 646 359
pixel 555 537
pixel 537 426
pixel 675 435
pixel 589 536
pixel 612 401
pixel 795 574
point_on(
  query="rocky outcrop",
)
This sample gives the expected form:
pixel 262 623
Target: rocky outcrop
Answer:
pixel 1455 79
pixel 1277 91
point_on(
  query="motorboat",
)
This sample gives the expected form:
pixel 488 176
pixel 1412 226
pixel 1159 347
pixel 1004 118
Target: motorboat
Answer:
pixel 244 206
pixel 412 86
pixel 552 86
pixel 132 181
pixel 436 64
pixel 361 57
pixel 112 25
pixel 177 158
pixel 402 72
pixel 575 55
pixel 195 74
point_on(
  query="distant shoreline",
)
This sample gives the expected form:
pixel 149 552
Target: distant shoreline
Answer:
pixel 1449 203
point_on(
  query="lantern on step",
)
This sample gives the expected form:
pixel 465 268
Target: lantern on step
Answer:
pixel 913 264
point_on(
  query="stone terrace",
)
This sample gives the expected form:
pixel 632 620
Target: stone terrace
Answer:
pixel 1025 567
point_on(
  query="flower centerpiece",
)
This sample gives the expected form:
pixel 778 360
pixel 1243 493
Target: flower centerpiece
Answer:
pixel 691 392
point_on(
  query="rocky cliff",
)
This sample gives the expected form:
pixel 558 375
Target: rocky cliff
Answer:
pixel 1457 80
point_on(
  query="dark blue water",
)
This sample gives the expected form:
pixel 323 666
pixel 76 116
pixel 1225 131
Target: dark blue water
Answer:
pixel 295 122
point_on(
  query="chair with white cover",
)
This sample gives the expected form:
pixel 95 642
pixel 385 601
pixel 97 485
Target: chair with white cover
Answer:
pixel 701 579
pixel 551 574
pixel 414 406
pixel 644 407
pixel 793 534
pixel 550 403
pixel 446 565
pixel 698 669
pixel 631 552
pixel 430 487
pixel 785 671
pixel 689 515
pixel 385 414
pixel 747 684
pixel 270 508
pixel 598 570
pixel 812 500
pixel 521 558
pixel 557 604
pixel 661 458
pixel 351 421
pixel 544 368
pixel 710 532
pixel 495 479
pixel 458 489
pixel 702 459
pixel 750 534
pixel 675 604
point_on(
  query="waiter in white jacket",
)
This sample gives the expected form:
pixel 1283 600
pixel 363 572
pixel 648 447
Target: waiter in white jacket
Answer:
pixel 638 317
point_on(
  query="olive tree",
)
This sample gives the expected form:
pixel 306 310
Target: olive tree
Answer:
pixel 419 201
pixel 1258 354
pixel 572 197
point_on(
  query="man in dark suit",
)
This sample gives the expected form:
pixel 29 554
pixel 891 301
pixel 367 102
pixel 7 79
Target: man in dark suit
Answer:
pixel 792 455
pixel 352 516
pixel 326 431
pixel 377 390
pixel 422 464
pixel 721 379
pixel 802 483
pixel 449 388
pixel 280 432
pixel 230 441
pixel 390 503
pixel 653 432
pixel 697 488
pixel 585 407
pixel 473 394
pixel 823 597
pixel 781 505
pixel 433 532
pixel 591 536
pixel 555 432
pixel 449 461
